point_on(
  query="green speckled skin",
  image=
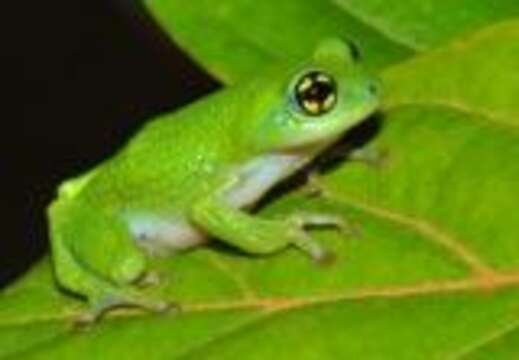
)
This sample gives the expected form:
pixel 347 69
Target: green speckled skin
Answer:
pixel 187 167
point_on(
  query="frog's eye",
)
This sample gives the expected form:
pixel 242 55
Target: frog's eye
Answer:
pixel 316 93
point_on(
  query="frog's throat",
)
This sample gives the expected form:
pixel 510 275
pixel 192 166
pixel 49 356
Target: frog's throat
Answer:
pixel 258 176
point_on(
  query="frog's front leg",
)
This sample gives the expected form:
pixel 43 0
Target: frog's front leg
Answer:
pixel 256 235
pixel 370 155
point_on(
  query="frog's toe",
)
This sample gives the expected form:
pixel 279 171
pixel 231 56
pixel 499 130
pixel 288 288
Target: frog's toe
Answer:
pixel 85 320
pixel 150 279
pixel 327 258
pixel 371 156
pixel 102 305
pixel 146 303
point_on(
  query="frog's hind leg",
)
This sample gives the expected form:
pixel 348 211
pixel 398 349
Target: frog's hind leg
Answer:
pixel 102 294
pixel 94 257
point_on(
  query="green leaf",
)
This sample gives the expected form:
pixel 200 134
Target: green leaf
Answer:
pixel 433 274
pixel 237 37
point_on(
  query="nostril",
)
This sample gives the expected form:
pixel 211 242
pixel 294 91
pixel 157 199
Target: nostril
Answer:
pixel 373 88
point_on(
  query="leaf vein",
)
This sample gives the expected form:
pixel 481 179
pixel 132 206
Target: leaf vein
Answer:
pixel 240 282
pixel 479 283
pixel 486 115
pixel 445 240
pixel 486 340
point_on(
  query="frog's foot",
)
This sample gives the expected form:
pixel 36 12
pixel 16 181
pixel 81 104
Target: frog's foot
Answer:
pixel 150 279
pixel 305 220
pixel 371 156
pixel 312 219
pixel 314 186
pixel 314 249
pixel 107 302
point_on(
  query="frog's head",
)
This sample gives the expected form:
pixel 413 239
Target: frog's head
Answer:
pixel 323 98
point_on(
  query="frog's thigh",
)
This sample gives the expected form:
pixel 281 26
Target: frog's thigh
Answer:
pixel 101 293
pixel 73 276
pixel 96 245
pixel 79 278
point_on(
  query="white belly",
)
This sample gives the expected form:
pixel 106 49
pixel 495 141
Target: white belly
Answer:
pixel 163 236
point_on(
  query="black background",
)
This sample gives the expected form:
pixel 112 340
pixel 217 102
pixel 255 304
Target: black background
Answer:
pixel 81 77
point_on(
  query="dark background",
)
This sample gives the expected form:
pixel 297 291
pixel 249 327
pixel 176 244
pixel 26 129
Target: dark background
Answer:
pixel 81 77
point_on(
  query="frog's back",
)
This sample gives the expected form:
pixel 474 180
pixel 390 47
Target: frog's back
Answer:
pixel 170 161
pixel 179 156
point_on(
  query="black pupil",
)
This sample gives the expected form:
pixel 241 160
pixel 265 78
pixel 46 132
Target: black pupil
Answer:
pixel 314 92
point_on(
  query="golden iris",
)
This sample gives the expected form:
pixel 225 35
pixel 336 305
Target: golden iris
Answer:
pixel 316 93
